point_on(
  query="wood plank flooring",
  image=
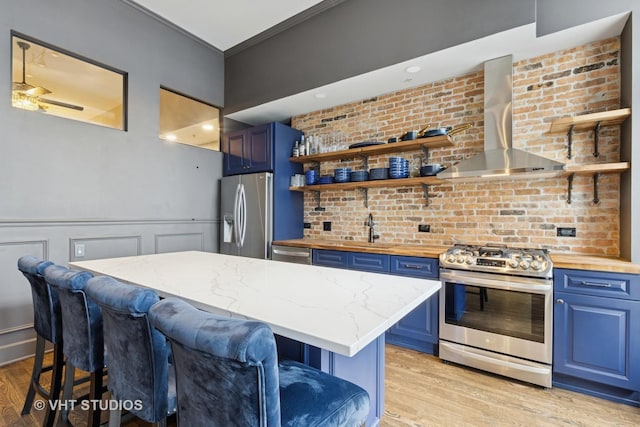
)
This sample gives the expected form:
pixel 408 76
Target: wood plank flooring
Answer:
pixel 421 390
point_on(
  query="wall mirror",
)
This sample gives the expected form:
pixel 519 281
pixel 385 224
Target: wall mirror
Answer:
pixel 188 121
pixel 50 80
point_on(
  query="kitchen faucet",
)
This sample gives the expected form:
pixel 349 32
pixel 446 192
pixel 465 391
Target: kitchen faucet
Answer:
pixel 372 233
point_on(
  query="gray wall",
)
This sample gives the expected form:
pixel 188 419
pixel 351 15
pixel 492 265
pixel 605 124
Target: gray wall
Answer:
pixel 358 36
pixel 64 182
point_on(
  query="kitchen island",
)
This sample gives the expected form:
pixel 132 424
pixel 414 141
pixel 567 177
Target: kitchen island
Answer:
pixel 342 314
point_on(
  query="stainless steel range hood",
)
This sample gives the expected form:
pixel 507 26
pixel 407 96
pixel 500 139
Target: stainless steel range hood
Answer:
pixel 499 159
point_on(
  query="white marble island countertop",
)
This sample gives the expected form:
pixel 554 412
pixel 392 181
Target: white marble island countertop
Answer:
pixel 333 309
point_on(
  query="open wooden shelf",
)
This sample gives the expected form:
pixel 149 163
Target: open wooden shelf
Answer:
pixel 596 168
pixel 399 182
pixel 374 150
pixel 589 121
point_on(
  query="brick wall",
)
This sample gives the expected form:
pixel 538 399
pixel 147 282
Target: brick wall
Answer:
pixel 523 212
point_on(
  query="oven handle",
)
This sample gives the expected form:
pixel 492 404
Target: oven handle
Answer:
pixel 506 364
pixel 506 284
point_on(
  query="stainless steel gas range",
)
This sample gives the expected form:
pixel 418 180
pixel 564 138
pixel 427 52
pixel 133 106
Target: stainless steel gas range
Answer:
pixel 496 310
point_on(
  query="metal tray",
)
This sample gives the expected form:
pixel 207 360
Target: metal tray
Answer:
pixel 365 144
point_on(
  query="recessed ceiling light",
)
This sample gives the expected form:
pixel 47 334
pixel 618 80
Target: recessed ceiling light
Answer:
pixel 171 137
pixel 412 69
pixel 320 95
pixel 207 126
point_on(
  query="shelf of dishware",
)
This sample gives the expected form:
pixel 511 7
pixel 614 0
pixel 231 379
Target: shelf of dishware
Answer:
pixel 374 150
pixel 351 185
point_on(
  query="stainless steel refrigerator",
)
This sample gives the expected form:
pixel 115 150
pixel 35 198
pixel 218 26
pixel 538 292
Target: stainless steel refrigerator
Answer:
pixel 246 203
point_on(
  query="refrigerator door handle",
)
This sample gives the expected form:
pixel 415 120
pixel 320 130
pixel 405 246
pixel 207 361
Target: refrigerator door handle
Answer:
pixel 243 210
pixel 236 222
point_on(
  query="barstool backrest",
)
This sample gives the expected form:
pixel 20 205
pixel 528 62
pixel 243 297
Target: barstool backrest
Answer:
pixel 46 306
pixel 226 369
pixel 138 353
pixel 81 318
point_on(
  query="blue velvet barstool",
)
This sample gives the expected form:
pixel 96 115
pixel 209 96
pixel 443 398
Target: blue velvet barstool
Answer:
pixel 82 334
pixel 227 374
pixel 48 327
pixel 138 365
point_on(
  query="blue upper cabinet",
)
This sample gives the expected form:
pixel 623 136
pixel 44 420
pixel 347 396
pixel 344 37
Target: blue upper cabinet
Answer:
pixel 249 150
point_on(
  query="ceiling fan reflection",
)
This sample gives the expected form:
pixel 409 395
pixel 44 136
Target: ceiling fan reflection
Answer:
pixel 26 91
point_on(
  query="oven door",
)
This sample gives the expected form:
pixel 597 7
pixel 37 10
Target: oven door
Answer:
pixel 510 315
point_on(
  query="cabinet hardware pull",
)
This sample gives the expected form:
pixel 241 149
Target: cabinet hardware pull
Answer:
pixel 597 285
pixel 560 301
pixel 416 266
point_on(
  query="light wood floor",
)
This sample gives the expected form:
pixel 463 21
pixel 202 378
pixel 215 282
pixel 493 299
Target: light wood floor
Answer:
pixel 421 390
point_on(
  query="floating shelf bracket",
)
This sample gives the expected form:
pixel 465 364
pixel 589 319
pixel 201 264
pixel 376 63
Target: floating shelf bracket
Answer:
pixel 425 151
pixel 425 189
pixel 365 161
pixel 596 133
pixel 569 187
pixel 596 177
pixel 318 207
pixel 569 144
pixel 365 196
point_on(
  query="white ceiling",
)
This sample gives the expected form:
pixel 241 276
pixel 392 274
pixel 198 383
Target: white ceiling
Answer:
pixel 224 24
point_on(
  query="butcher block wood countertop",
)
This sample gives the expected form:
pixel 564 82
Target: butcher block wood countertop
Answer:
pixel 578 262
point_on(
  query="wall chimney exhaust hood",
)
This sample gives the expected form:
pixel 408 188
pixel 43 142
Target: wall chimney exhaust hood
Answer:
pixel 499 159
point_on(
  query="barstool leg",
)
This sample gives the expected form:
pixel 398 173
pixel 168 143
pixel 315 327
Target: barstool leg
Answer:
pixel 56 385
pixel 115 417
pixel 95 393
pixel 67 394
pixel 35 374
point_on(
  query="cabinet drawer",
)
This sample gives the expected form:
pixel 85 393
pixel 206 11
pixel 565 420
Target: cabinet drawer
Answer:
pixel 414 266
pixel 597 283
pixel 378 263
pixel 329 258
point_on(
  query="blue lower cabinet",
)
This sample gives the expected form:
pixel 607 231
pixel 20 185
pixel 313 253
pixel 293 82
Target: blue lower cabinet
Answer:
pixel 328 258
pixel 376 263
pixel 596 343
pixel 418 330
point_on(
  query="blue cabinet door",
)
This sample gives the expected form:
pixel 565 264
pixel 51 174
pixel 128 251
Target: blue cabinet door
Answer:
pixel 328 258
pixel 597 339
pixel 248 151
pixel 418 330
pixel 377 263
pixel 258 150
pixel 233 148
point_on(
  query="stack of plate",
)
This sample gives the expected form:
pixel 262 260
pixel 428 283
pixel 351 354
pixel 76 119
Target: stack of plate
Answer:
pixel 325 179
pixel 342 174
pixel 311 177
pixel 398 167
pixel 378 173
pixel 359 176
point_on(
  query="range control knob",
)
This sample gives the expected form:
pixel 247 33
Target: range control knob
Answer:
pixel 451 258
pixel 524 264
pixel 535 264
pixel 459 259
pixel 469 260
pixel 513 263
